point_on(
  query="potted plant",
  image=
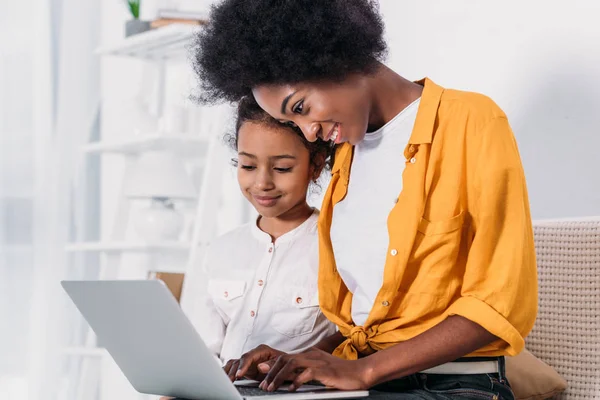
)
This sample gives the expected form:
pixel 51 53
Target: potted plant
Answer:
pixel 135 25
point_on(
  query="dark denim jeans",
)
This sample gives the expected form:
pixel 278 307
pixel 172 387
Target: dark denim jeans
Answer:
pixel 433 387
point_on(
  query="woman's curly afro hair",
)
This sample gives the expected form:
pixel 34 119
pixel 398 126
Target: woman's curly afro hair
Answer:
pixel 253 42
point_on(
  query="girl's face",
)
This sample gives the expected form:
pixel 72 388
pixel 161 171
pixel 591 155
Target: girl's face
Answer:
pixel 274 169
pixel 332 111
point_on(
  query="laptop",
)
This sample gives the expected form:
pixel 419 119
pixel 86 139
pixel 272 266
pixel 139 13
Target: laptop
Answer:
pixel 157 348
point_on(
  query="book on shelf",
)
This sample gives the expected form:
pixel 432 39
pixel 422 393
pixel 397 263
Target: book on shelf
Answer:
pixel 158 23
pixel 167 13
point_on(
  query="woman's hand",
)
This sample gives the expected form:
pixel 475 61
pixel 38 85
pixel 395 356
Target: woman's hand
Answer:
pixel 315 364
pixel 248 365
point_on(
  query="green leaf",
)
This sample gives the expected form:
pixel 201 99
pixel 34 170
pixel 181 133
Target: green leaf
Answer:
pixel 134 8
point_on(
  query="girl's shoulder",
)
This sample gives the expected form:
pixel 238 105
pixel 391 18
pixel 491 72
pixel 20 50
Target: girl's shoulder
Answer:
pixel 240 235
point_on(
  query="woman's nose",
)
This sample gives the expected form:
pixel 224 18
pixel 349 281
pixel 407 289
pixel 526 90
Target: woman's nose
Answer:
pixel 311 131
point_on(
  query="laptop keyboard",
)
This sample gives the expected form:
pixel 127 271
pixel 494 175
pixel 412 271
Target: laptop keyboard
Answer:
pixel 254 391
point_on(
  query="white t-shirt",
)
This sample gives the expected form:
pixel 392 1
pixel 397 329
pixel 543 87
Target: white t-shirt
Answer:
pixel 250 291
pixel 359 233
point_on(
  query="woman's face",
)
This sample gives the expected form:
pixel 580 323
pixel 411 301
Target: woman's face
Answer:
pixel 274 169
pixel 336 111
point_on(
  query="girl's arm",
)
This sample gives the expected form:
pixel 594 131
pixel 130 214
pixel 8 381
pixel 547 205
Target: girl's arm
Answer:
pixel 330 343
pixel 200 308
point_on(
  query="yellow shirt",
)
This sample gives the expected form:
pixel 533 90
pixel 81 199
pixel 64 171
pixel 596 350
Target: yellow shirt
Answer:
pixel 460 235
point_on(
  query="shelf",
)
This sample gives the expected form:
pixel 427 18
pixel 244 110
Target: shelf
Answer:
pixel 84 351
pixel 132 247
pixel 186 145
pixel 170 42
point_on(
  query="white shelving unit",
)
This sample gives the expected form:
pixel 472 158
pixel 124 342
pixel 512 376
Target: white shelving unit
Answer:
pixel 185 145
pixel 161 46
pixel 131 247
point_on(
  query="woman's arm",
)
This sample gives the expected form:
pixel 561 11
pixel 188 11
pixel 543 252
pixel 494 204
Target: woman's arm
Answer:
pixel 248 365
pixel 447 341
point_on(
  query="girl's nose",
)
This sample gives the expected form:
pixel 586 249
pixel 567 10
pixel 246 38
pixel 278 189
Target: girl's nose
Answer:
pixel 263 181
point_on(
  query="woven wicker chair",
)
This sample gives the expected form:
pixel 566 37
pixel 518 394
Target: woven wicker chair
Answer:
pixel 567 331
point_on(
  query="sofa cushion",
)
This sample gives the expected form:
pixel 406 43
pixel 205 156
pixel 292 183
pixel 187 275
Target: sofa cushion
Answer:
pixel 531 378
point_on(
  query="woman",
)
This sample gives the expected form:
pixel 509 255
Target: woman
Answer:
pixel 427 263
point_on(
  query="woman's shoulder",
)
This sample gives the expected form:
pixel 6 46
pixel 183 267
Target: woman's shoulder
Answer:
pixel 473 105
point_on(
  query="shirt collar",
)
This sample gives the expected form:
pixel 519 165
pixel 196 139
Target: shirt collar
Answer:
pixel 306 226
pixel 424 123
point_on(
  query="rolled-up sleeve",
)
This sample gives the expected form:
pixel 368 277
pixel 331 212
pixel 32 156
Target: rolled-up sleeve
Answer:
pixel 499 290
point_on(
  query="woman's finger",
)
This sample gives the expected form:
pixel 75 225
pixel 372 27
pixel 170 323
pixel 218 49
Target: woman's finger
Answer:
pixel 305 376
pixel 233 369
pixel 286 368
pixel 252 358
pixel 227 366
pixel 265 367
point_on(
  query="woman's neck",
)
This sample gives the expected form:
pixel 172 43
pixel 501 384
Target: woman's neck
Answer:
pixel 282 224
pixel 390 94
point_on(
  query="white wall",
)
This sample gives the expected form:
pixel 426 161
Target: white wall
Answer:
pixel 539 60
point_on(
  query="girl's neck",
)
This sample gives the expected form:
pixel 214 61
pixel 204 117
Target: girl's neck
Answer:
pixel 390 94
pixel 282 224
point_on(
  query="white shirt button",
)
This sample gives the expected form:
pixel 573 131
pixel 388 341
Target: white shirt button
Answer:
pixel 261 282
pixel 385 303
pixel 394 252
pixel 252 313
pixel 299 300
pixel 226 294
pixel 413 160
pixel 271 249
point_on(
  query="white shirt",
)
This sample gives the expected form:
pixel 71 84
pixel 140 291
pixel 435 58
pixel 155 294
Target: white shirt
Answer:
pixel 250 291
pixel 359 232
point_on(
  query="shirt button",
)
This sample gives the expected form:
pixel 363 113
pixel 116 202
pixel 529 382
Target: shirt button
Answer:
pixel 385 303
pixel 270 249
pixel 394 252
pixel 260 282
pixel 413 160
pixel 226 294
pixel 411 149
pixel 299 300
pixel 252 313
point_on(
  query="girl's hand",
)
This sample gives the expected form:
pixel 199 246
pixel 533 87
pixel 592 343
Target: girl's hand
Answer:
pixel 249 365
pixel 318 365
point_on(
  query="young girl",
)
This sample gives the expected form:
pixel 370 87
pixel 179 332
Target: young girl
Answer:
pixel 427 261
pixel 262 277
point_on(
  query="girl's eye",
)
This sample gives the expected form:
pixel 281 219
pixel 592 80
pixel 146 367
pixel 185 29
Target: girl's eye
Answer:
pixel 247 167
pixel 298 107
pixel 283 170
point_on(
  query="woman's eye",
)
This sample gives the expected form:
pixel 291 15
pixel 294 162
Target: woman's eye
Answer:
pixel 298 107
pixel 290 123
pixel 247 167
pixel 283 169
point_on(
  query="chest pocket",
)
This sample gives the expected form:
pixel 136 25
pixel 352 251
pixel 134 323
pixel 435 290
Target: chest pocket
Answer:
pixel 435 256
pixel 228 296
pixel 296 311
